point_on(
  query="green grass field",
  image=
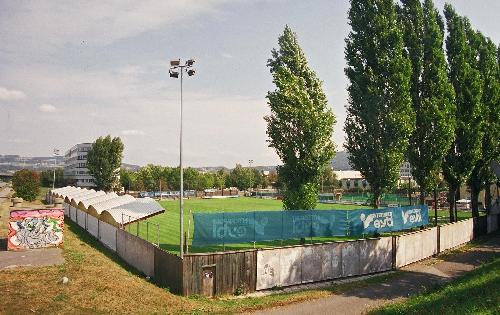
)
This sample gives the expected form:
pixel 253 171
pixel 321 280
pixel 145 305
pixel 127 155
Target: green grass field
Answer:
pixel 169 221
pixel 474 293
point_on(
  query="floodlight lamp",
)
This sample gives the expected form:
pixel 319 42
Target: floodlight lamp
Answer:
pixel 191 72
pixel 190 62
pixel 175 63
pixel 173 74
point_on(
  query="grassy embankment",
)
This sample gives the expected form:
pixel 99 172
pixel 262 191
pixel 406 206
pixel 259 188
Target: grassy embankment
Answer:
pixel 474 293
pixel 100 282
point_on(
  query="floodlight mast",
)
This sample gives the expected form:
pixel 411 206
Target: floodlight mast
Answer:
pixel 56 154
pixel 177 68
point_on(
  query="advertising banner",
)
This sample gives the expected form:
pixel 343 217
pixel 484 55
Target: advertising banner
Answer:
pixel 254 226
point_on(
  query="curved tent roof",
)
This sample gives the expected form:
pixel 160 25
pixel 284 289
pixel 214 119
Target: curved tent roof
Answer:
pixel 82 193
pixel 96 199
pixel 111 203
pixel 138 209
pixel 66 190
pixel 79 198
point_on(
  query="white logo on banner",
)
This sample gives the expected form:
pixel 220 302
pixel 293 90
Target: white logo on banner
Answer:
pixel 380 219
pixel 229 227
pixel 412 216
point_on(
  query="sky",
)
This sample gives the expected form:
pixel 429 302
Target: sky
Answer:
pixel 71 71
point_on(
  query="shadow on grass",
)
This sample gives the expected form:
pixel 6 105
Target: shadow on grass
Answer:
pixel 84 236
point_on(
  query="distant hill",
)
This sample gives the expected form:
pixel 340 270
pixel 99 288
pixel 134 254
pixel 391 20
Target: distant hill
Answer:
pixel 11 163
pixel 340 162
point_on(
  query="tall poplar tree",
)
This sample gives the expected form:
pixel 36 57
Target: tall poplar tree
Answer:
pixel 104 160
pixel 482 175
pixel 300 125
pixel 466 80
pixel 432 93
pixel 380 118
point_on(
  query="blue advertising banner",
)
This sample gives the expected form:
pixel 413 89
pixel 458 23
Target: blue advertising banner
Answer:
pixel 244 227
pixel 370 221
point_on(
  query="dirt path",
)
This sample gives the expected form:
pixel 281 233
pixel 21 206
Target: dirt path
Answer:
pixel 412 280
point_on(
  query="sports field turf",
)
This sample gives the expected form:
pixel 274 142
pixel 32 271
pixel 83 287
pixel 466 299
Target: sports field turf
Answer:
pixel 169 221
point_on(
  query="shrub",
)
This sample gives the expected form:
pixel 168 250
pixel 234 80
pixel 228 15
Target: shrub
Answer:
pixel 26 184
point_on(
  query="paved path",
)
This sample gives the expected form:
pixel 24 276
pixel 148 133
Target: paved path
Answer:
pixel 4 193
pixel 31 258
pixel 413 279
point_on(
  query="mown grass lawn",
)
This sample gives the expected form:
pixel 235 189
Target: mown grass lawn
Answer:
pixel 168 222
pixel 474 293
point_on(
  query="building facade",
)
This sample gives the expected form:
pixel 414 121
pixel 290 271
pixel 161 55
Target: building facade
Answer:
pixel 75 166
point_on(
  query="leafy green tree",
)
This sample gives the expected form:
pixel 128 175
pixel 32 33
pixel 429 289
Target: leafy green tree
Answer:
pixel 205 181
pixel 127 179
pixel 328 178
pixel 241 177
pixel 380 118
pixel 257 178
pixel 220 179
pixel 466 80
pixel 300 124
pixel 104 160
pixel 26 184
pixel 482 176
pixel 432 93
pixel 47 178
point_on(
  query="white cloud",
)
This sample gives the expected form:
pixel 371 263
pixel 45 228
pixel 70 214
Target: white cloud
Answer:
pixel 47 108
pixel 10 95
pixel 50 25
pixel 133 132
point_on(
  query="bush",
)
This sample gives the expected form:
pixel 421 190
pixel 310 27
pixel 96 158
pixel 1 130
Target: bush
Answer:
pixel 26 184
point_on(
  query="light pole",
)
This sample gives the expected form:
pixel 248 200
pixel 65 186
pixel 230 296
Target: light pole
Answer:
pixel 56 154
pixel 177 68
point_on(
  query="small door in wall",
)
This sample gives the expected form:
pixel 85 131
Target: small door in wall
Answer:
pixel 208 280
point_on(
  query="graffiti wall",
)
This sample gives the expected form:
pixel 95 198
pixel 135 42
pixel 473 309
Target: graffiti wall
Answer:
pixel 29 229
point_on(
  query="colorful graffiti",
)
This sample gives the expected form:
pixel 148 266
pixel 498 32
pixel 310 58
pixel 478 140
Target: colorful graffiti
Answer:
pixel 29 229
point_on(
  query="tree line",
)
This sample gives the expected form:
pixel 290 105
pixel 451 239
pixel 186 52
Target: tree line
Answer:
pixel 409 99
pixel 156 177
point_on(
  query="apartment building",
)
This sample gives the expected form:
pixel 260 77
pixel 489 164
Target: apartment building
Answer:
pixel 75 166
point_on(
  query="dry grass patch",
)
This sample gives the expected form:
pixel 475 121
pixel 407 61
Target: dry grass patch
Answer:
pixel 99 282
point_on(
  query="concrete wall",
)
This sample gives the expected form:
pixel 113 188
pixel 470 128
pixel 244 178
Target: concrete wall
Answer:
pixel 136 252
pixel 107 235
pixel 375 255
pixel 416 246
pixel 492 223
pixel 311 263
pixel 454 234
pixel 93 225
pixel 72 213
pixel 81 218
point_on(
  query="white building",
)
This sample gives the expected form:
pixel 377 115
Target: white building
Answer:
pixel 352 180
pixel 405 170
pixel 75 166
